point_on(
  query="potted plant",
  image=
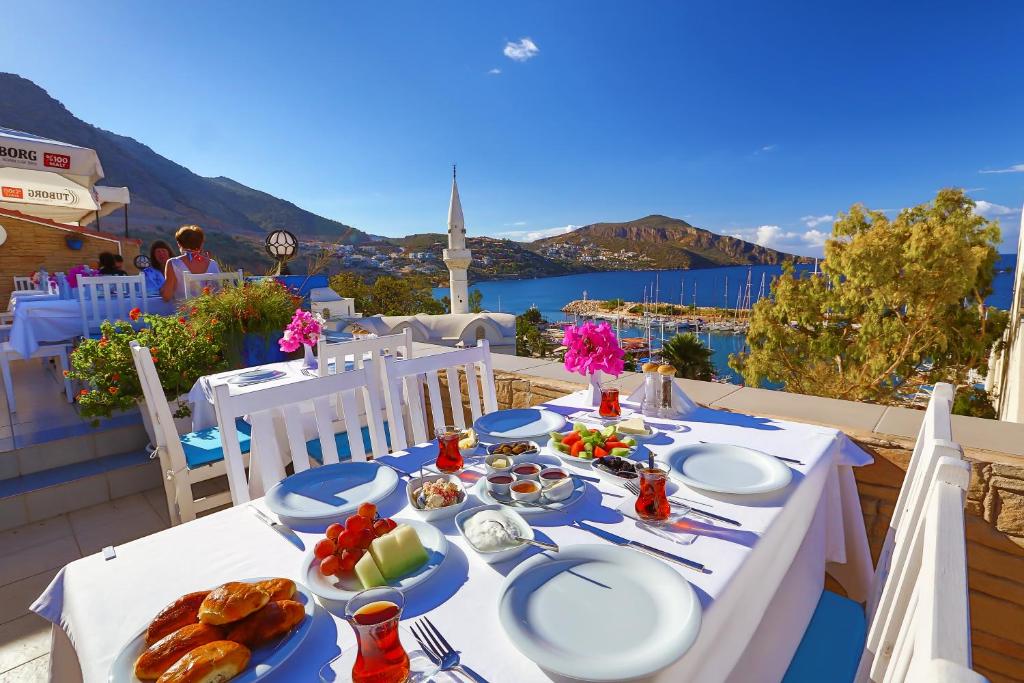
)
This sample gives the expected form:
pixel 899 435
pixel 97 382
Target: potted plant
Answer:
pixel 182 352
pixel 252 317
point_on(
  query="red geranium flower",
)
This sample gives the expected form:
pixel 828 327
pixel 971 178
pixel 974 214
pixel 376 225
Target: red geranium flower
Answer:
pixel 134 314
pixel 112 390
pixel 83 392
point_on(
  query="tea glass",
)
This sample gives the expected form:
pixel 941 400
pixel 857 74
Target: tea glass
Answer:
pixel 374 614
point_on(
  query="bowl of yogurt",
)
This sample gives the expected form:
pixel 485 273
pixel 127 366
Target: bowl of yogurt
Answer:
pixel 489 530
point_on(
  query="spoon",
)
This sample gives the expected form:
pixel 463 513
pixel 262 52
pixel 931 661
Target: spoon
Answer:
pixel 529 541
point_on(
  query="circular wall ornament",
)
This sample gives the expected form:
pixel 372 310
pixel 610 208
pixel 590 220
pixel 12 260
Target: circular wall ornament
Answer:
pixel 3 234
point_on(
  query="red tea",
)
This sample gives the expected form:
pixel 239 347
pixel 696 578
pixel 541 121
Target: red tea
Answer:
pixel 609 403
pixel 524 487
pixel 381 657
pixel 449 458
pixel 652 503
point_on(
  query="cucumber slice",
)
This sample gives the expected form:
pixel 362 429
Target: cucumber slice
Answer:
pixel 621 452
pixel 557 436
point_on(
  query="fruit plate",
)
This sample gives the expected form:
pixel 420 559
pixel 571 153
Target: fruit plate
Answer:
pixel 554 607
pixel 724 468
pixel 265 658
pixel 434 515
pixel 340 589
pixel 328 493
pixel 518 424
pixel 487 498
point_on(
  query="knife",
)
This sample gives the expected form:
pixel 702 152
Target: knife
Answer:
pixel 642 547
pixel 287 533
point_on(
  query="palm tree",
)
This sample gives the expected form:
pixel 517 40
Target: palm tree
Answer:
pixel 690 358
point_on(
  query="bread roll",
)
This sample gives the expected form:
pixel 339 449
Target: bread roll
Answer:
pixel 279 589
pixel 181 612
pixel 269 623
pixel 231 602
pixel 214 662
pixel 159 657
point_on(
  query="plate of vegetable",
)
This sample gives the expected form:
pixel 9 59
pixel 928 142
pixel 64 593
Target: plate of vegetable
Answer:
pixel 583 444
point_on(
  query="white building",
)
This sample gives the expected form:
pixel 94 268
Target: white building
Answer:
pixel 1005 379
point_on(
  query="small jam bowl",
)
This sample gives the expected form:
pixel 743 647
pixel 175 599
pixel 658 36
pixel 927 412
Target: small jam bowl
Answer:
pixel 525 490
pixel 526 470
pixel 492 468
pixel 558 490
pixel 499 482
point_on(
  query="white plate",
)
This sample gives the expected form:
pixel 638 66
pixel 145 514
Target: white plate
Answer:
pixel 331 492
pixel 493 556
pixel 340 589
pixel 264 660
pixel 255 376
pixel 439 513
pixel 575 459
pixel 518 424
pixel 599 612
pixel 481 492
pixel 725 468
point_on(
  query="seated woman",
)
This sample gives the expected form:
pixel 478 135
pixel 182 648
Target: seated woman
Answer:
pixel 193 260
pixel 159 253
pixel 108 265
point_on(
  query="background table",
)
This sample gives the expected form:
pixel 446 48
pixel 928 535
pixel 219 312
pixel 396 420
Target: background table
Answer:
pixel 46 319
pixel 764 583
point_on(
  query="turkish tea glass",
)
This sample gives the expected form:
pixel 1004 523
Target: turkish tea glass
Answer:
pixel 449 458
pixel 609 403
pixel 652 503
pixel 374 614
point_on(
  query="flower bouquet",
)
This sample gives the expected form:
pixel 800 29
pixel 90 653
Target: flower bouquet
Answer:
pixel 592 348
pixel 76 271
pixel 304 330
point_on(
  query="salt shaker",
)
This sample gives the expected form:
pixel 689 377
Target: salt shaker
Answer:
pixel 665 375
pixel 650 402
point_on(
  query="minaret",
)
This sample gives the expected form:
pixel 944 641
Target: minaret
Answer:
pixel 456 256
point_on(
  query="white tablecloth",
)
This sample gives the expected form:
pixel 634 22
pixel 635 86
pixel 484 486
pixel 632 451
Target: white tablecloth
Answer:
pixel 39 320
pixel 764 583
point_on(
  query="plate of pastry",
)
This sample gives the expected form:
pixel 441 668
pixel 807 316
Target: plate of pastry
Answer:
pixel 238 631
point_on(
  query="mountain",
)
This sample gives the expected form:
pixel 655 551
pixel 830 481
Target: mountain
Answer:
pixel 164 194
pixel 656 242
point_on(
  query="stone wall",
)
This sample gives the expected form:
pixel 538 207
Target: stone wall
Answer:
pixel 994 525
pixel 30 245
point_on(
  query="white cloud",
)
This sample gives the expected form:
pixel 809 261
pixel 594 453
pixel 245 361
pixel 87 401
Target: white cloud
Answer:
pixel 990 210
pixel 815 221
pixel 521 50
pixel 815 238
pixel 769 148
pixel 533 235
pixel 495 71
pixel 1016 168
pixel 517 224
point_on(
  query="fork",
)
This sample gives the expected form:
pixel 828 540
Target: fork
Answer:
pixel 439 650
pixel 689 510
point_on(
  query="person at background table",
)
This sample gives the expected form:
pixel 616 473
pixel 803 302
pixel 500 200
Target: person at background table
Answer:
pixel 159 253
pixel 108 265
pixel 193 259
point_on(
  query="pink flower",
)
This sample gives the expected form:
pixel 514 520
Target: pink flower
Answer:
pixel 591 348
pixel 304 329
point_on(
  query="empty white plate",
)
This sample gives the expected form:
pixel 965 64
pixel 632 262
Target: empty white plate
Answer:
pixel 532 424
pixel 330 493
pixel 725 468
pixel 599 612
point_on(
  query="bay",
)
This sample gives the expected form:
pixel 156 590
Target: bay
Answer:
pixel 705 287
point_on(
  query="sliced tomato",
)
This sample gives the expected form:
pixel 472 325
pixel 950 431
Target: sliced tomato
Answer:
pixel 599 452
pixel 576 448
pixel 612 443
pixel 571 438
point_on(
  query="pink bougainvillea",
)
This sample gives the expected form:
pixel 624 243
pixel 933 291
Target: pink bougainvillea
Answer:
pixel 592 347
pixel 75 271
pixel 305 328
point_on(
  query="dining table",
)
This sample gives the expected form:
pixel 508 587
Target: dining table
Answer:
pixel 761 583
pixel 48 318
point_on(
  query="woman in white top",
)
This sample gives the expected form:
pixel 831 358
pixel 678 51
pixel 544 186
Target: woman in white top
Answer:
pixel 193 259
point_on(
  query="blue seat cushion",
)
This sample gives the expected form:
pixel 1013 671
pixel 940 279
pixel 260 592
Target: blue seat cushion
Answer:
pixel 204 447
pixel 341 443
pixel 833 643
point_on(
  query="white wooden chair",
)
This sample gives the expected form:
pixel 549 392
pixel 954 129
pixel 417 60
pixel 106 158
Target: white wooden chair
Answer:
pixel 909 628
pixel 262 406
pixel 7 354
pixel 22 283
pixel 109 297
pixel 336 353
pixel 188 459
pixel 194 283
pixel 403 389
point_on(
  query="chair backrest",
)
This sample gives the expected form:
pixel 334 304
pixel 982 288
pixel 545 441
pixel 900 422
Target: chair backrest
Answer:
pixel 924 614
pixel 22 283
pixel 159 411
pixel 109 297
pixel 358 348
pixel 194 283
pixel 261 405
pixel 936 428
pixel 403 389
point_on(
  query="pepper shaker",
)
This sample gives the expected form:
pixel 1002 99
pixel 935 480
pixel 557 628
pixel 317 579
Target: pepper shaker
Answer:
pixel 666 373
pixel 651 400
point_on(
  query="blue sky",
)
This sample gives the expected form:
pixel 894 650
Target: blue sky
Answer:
pixel 750 118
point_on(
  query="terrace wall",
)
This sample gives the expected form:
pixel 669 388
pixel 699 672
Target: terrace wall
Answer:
pixel 995 501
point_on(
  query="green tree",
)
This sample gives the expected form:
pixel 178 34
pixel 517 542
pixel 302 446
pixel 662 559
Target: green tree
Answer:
pixel 900 304
pixel 529 340
pixel 388 295
pixel 476 301
pixel 688 355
